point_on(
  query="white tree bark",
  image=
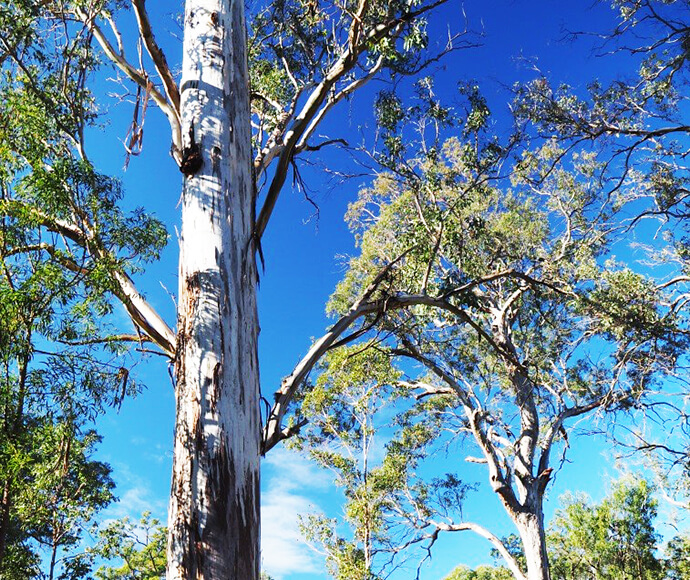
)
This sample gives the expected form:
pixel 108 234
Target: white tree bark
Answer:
pixel 531 529
pixel 214 505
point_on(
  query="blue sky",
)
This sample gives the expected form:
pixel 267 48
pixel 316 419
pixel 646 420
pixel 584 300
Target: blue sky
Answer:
pixel 302 269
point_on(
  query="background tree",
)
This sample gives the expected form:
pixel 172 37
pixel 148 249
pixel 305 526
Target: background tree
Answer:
pixel 479 573
pixel 637 126
pixel 375 462
pixel 614 539
pixel 343 435
pixel 56 489
pixel 500 299
pixel 140 547
pixel 51 486
pixel 677 561
pixel 64 243
pixel 61 496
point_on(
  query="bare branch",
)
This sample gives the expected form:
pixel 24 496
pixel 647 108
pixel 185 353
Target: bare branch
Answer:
pixel 118 36
pixel 302 124
pixel 332 101
pixel 326 143
pixel 484 533
pixel 273 431
pixel 141 79
pixel 557 425
pixel 157 55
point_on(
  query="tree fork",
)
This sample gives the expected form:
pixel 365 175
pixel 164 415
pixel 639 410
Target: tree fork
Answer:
pixel 214 504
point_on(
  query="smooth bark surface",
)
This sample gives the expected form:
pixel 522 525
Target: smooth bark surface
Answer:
pixel 531 529
pixel 214 506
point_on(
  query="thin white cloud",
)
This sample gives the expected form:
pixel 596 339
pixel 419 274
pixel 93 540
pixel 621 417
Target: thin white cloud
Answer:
pixel 292 470
pixel 291 481
pixel 135 496
pixel 283 550
pixel 133 502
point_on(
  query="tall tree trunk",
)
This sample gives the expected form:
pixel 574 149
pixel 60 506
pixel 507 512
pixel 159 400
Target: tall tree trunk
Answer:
pixel 531 529
pixel 13 427
pixel 214 505
pixel 4 519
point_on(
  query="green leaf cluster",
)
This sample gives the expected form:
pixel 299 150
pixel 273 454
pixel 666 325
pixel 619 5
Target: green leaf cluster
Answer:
pixel 56 489
pixel 480 573
pixel 139 546
pixel 374 462
pixel 612 540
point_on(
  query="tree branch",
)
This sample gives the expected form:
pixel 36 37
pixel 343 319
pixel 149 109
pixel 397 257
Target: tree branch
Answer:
pixel 484 533
pixel 140 311
pixel 362 307
pixel 302 124
pixel 557 424
pixel 157 55
pixel 141 79
pixel 108 339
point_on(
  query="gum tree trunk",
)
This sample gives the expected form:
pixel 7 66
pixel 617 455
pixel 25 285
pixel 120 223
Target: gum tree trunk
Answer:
pixel 214 505
pixel 528 518
pixel 531 529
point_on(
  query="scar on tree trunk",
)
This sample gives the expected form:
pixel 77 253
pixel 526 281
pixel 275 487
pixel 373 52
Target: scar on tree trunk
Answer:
pixel 191 155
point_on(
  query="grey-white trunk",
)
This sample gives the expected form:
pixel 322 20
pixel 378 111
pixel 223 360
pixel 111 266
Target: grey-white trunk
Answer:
pixel 531 529
pixel 214 505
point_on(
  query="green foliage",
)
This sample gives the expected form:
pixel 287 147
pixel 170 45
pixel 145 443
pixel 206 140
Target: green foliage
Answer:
pixel 140 547
pixel 63 240
pixel 611 540
pixel 503 294
pixel 431 120
pixel 677 561
pixel 51 486
pixel 636 126
pixel 450 229
pixel 62 224
pixel 480 573
pixel 295 43
pixel 614 540
pixel 55 489
pixel 346 407
pixel 635 123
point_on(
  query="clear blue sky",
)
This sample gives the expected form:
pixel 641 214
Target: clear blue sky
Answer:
pixel 302 269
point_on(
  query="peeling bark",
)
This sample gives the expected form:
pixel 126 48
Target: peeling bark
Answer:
pixel 214 505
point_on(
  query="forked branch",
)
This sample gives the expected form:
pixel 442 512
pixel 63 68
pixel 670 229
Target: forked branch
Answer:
pixel 169 103
pixel 273 430
pixel 314 109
